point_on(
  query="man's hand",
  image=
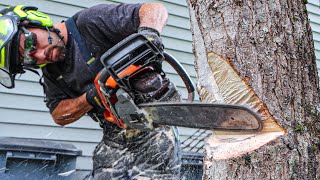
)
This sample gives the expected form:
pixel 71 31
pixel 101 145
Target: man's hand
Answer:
pixel 93 99
pixel 152 35
pixel 153 17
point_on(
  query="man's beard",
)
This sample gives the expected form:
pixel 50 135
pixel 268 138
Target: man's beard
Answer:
pixel 60 52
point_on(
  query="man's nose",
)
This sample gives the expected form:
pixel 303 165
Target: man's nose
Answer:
pixel 39 55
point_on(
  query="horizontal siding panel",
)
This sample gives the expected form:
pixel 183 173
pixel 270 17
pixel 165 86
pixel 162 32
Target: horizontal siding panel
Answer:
pixel 84 3
pixel 84 163
pixel 25 87
pixel 316 36
pixel 173 9
pixel 173 3
pixel 314 18
pixel 30 75
pixel 50 7
pixel 315 27
pixel 318 53
pixel 68 9
pixel 42 118
pixel 179 22
pixel 177 33
pixel 313 8
pixel 182 57
pixel 183 46
pixel 177 80
pixel 317 45
pixel 15 101
pixel 182 3
pixel 189 68
pixel 314 2
pixel 50 133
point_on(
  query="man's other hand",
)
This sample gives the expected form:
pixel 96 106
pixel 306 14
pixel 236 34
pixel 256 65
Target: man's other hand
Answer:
pixel 94 100
pixel 152 35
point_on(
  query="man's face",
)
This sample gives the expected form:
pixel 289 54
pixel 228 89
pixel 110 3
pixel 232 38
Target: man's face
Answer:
pixel 44 52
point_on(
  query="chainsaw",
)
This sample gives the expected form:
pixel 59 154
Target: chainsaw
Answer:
pixel 136 55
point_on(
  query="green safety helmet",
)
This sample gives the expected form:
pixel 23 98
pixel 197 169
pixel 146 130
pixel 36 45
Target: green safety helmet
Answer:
pixel 14 21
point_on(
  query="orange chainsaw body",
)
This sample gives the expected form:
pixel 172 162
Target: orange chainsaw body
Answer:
pixel 111 83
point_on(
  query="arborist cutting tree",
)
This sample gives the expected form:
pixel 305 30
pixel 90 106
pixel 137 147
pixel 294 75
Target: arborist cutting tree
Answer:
pixel 106 61
pixel 62 51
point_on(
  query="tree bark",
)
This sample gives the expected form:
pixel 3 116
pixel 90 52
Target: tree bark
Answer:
pixel 270 44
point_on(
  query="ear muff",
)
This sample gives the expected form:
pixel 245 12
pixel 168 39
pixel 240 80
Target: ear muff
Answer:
pixel 35 18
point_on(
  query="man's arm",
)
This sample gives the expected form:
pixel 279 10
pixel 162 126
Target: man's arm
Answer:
pixel 153 15
pixel 70 110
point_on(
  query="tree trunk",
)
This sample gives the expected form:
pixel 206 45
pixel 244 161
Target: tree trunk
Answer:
pixel 269 43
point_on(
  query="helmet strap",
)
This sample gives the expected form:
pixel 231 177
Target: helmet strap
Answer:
pixel 49 37
pixel 58 32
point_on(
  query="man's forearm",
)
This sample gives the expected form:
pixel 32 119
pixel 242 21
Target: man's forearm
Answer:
pixel 70 110
pixel 153 15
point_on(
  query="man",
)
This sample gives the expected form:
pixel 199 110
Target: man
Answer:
pixel 122 153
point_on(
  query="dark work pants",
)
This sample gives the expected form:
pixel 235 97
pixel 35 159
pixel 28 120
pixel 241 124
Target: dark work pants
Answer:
pixel 148 155
pixel 145 155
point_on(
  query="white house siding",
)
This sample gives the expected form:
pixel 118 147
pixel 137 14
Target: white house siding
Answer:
pixel 24 114
pixel 313 7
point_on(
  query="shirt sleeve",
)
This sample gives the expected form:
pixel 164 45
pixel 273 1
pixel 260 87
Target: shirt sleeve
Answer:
pixel 109 22
pixel 54 94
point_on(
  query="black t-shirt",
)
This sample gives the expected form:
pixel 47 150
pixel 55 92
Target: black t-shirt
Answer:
pixel 101 27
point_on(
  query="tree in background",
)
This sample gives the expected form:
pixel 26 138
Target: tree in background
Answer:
pixel 269 43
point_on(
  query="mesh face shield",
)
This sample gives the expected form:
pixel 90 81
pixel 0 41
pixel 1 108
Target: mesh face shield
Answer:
pixel 8 30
